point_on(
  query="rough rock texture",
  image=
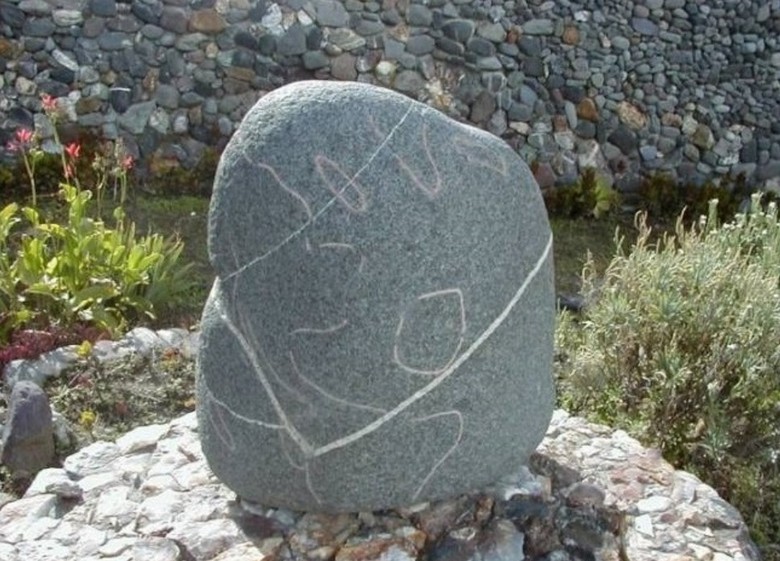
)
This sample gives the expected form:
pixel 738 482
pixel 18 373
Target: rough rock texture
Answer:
pixel 28 437
pixel 590 493
pixel 380 331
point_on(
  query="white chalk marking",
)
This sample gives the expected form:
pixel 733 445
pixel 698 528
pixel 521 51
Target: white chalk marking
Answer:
pixel 375 425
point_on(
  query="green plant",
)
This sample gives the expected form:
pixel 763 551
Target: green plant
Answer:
pixel 664 198
pixel 679 346
pixel 79 269
pixel 590 196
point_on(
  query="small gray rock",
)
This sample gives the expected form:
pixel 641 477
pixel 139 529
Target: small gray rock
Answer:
pixel 420 44
pixel 103 8
pixel 460 30
pixel 293 42
pixel 312 60
pixel 539 27
pixel 28 435
pixel 331 13
pixel 644 26
pixel 419 15
pixel 409 81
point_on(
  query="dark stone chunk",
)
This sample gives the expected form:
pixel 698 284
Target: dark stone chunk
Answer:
pixel 520 112
pixel 190 99
pixel 460 30
pixel 28 69
pixel 174 19
pixel 113 40
pixel 11 15
pixel 204 89
pixel 575 94
pixel 585 129
pixel 293 42
pixel 246 40
pixel 534 67
pixel 54 89
pixel 449 46
pixel 93 27
pixel 22 117
pixel 555 81
pixel 769 171
pixel 28 435
pixel 38 27
pixel 258 11
pixel 120 99
pixel 103 8
pixel 124 23
pixel 530 46
pixel 625 139
pixel 243 58
pixel 266 44
pixel 62 74
pixel 571 302
pixel 314 38
pixel 749 152
pixel 483 108
pixel 481 46
pixel 147 12
pixel 420 44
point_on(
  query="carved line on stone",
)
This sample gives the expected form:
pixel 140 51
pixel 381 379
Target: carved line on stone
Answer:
pixel 396 352
pixel 327 205
pixel 375 425
pixel 320 331
pixel 360 205
pixel 284 185
pixel 296 393
pixel 296 436
pixel 329 395
pixel 310 487
pixel 349 246
pixel 221 428
pixel 458 439
pixel 287 454
pixel 465 147
pixel 430 192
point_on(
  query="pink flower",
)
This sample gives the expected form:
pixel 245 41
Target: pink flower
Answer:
pixel 24 136
pixel 69 171
pixel 49 103
pixel 12 146
pixel 73 150
pixel 127 163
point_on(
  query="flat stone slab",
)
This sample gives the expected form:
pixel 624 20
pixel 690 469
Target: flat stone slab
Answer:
pixel 380 332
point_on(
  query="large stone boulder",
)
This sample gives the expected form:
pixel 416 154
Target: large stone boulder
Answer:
pixel 380 330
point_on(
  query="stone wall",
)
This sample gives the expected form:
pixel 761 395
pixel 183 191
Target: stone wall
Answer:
pixel 688 87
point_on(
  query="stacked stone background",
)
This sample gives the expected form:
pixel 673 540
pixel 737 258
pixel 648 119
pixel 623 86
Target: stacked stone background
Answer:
pixel 686 87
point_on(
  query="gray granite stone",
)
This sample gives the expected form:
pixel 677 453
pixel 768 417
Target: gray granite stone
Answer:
pixel 380 330
pixel 28 437
pixel 331 13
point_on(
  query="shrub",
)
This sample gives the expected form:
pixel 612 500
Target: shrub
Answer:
pixel 79 270
pixel 664 198
pixel 590 196
pixel 679 345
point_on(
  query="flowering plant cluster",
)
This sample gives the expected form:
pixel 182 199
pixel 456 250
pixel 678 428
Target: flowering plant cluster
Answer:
pixel 75 270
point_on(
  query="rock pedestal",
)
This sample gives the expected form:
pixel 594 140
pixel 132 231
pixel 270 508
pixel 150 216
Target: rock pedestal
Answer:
pixel 380 330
